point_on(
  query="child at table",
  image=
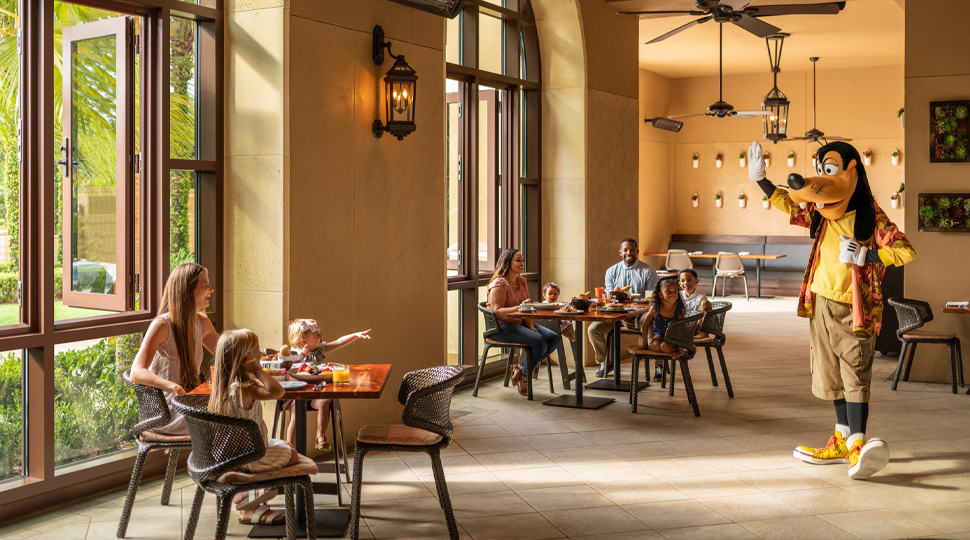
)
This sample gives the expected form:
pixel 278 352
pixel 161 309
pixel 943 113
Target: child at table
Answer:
pixel 238 387
pixel 550 294
pixel 306 339
pixel 666 306
pixel 694 300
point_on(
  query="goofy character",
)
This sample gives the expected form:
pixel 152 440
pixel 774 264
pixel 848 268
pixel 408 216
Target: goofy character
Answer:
pixel 841 293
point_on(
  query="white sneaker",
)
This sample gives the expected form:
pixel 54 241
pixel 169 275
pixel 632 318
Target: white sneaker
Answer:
pixel 867 459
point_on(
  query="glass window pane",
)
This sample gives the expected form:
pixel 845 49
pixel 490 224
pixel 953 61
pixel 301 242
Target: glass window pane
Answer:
pixel 10 121
pixel 94 410
pixel 487 177
pixel 183 83
pixel 491 44
pixel 453 328
pixel 453 211
pixel 11 415
pixel 182 218
pixel 495 352
pixel 453 48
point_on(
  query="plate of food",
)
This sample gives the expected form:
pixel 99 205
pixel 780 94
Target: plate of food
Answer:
pixel 568 309
pixel 547 305
pixel 613 307
pixel 292 385
pixel 311 372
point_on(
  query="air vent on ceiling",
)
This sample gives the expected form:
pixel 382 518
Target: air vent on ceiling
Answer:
pixel 444 8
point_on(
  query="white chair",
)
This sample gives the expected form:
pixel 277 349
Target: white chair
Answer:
pixel 728 265
pixel 677 259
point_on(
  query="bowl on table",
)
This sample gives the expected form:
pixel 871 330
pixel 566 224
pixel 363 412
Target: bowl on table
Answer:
pixel 619 296
pixel 579 303
pixel 294 374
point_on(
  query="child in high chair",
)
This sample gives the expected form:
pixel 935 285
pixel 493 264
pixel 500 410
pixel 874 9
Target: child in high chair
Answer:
pixel 666 306
pixel 238 387
pixel 305 338
pixel 550 294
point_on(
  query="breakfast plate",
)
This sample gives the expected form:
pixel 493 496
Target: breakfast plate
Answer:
pixel 292 385
pixel 547 305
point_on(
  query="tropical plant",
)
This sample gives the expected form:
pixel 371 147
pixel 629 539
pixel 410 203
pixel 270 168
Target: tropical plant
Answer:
pixel 900 112
pixel 742 196
pixel 791 154
pixel 717 196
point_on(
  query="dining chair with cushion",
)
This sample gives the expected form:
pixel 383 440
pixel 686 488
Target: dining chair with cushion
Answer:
pixel 713 325
pixel 220 446
pixel 912 315
pixel 153 412
pixel 515 349
pixel 426 427
pixel 680 333
pixel 728 265
pixel 678 259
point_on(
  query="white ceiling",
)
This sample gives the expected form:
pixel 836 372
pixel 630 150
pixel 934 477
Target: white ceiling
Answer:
pixel 865 33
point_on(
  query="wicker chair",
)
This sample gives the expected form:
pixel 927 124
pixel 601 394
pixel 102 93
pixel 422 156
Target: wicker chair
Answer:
pixel 426 396
pixel 152 413
pixel 492 328
pixel 680 333
pixel 713 324
pixel 912 315
pixel 220 445
pixel 728 265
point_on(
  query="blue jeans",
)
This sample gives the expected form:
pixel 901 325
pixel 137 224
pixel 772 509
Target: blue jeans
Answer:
pixel 541 344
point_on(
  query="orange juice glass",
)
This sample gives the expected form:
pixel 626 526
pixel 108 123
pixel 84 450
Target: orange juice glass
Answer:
pixel 600 292
pixel 212 372
pixel 341 375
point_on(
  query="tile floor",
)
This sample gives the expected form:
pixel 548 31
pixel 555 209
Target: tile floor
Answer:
pixel 518 469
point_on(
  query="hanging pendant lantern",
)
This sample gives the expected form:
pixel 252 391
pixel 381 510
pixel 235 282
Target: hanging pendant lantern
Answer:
pixel 776 123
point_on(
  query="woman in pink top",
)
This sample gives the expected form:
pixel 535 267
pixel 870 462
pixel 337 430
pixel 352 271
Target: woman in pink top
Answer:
pixel 506 291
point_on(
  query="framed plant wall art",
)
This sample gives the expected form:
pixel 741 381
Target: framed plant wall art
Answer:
pixel 949 141
pixel 944 212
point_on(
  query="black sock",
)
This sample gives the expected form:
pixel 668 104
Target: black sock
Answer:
pixel 858 417
pixel 841 416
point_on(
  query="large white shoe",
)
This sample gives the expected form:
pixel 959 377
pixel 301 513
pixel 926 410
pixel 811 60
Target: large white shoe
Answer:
pixel 866 459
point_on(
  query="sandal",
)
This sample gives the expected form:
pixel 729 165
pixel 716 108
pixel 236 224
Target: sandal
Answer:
pixel 523 386
pixel 322 444
pixel 264 516
pixel 516 373
pixel 256 497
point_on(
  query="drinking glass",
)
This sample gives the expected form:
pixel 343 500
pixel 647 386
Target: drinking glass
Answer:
pixel 341 374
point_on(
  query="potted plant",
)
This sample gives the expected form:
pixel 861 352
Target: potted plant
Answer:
pixel 765 202
pixel 791 158
pixel 718 201
pixel 719 160
pixel 867 157
pixel 742 199
pixel 766 159
pixel 695 199
pixel 741 157
pixel 895 156
pixel 901 114
pixel 894 200
pixel 899 193
pixel 695 160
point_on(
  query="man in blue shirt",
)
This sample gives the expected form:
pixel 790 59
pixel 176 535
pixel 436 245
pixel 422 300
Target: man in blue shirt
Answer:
pixel 641 278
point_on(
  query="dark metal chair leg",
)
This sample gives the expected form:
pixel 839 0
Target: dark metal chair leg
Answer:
pixel 724 372
pixel 909 364
pixel 689 388
pixel 529 370
pixel 673 373
pixel 563 368
pixel 132 490
pixel 223 506
pixel 336 454
pixel 710 364
pixel 355 493
pixel 443 498
pixel 290 505
pixel 549 372
pixel 663 376
pixel 899 366
pixel 633 383
pixel 276 417
pixel 959 362
pixel 481 368
pixel 508 366
pixel 173 463
pixel 953 366
pixel 194 514
pixel 335 405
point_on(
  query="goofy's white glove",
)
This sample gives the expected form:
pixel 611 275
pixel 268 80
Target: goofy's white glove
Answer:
pixel 756 162
pixel 852 252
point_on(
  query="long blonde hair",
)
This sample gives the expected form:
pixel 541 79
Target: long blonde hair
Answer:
pixel 178 300
pixel 229 360
pixel 299 329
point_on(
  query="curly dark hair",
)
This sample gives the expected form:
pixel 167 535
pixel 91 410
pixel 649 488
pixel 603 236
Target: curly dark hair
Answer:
pixel 656 298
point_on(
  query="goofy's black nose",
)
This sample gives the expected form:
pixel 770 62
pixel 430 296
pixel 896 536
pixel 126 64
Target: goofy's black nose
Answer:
pixel 795 181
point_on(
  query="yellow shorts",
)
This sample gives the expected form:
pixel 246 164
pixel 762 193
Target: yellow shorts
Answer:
pixel 841 359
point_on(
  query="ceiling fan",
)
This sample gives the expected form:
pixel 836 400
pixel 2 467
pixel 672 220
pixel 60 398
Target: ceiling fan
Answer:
pixel 815 134
pixel 721 109
pixel 738 13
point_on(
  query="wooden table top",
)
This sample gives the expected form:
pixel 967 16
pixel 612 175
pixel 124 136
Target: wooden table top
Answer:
pixel 367 381
pixel 592 316
pixel 961 311
pixel 714 256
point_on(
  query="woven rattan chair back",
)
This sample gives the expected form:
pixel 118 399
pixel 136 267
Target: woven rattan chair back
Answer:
pixel 491 320
pixel 220 443
pixel 426 396
pixel 678 259
pixel 912 314
pixel 681 332
pixel 713 322
pixel 728 262
pixel 152 410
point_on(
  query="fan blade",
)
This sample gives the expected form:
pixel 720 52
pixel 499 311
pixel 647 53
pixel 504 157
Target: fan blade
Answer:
pixel 743 116
pixel 756 27
pixel 696 13
pixel 682 28
pixel 830 8
pixel 736 5
pixel 836 138
pixel 698 115
pixel 755 113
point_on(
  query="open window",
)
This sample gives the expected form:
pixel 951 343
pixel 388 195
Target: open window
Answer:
pixel 99 163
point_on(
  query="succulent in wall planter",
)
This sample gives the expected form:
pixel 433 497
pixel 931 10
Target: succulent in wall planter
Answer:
pixel 765 202
pixel 718 201
pixel 901 114
pixel 695 160
pixel 695 200
pixel 867 157
pixel 896 156
pixel 766 157
pixel 741 157
pixel 894 200
pixel 791 159
pixel 719 160
pixel 742 199
pixel 901 193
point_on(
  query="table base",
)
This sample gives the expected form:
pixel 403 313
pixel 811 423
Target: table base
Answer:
pixel 612 386
pixel 585 402
pixel 331 523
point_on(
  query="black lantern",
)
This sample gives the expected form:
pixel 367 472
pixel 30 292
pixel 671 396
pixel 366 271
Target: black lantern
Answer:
pixel 400 88
pixel 776 123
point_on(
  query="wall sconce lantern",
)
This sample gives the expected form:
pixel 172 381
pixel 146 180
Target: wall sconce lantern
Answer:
pixel 400 90
pixel 776 123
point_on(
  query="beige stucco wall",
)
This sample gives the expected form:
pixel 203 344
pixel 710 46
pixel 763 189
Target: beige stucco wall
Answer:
pixel 322 219
pixel 936 70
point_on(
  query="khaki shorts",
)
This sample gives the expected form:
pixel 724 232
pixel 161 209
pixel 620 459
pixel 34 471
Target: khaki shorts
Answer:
pixel 841 359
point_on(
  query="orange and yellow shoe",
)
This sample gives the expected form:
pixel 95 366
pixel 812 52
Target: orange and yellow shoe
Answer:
pixel 834 452
pixel 867 458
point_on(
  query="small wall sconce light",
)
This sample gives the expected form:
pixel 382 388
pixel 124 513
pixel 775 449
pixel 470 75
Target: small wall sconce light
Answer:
pixel 400 90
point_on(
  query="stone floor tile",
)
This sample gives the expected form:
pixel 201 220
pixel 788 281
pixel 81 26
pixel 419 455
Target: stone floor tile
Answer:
pixel 879 524
pixel 754 507
pixel 154 529
pixel 556 441
pixel 947 518
pixel 609 437
pixel 619 471
pixel 703 447
pixel 494 445
pixel 414 531
pixel 742 462
pixel 583 455
pixel 537 428
pixel 649 450
pixel 674 514
pixel 640 491
pixel 462 484
pixel 902 494
pixel 465 433
pixel 563 498
pixel 712 485
pixel 781 480
pixel 489 504
pixel 631 535
pixel 521 527
pixel 796 528
pixel 420 464
pixel 831 500
pixel 501 461
pixel 727 531
pixel 74 531
pixel 543 477
pixel 677 467
pixel 587 521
